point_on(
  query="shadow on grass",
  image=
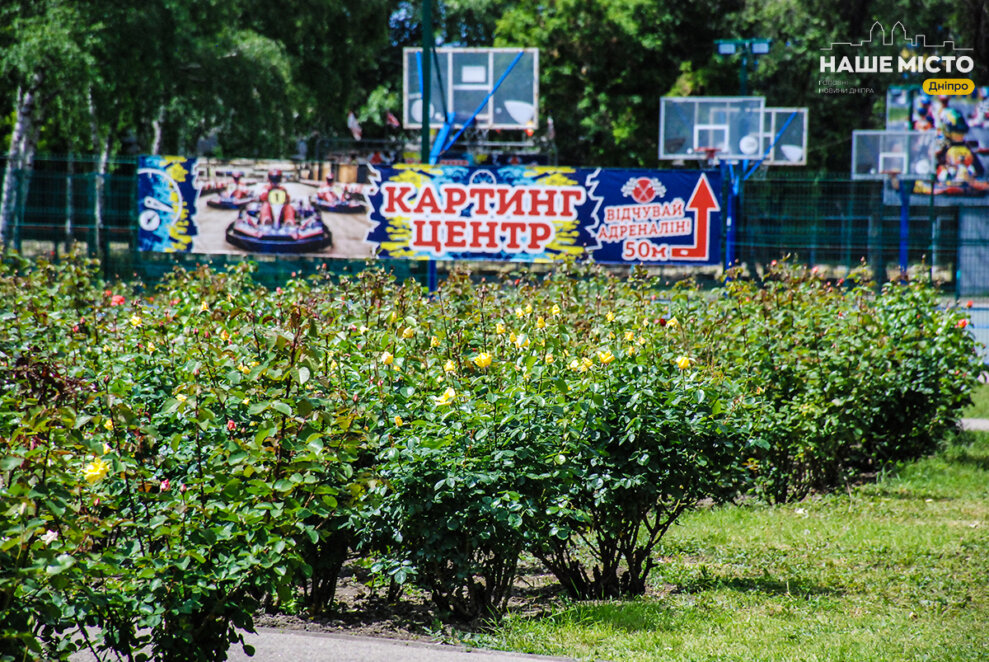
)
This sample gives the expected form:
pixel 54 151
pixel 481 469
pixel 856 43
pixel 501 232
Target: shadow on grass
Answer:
pixel 966 457
pixel 684 613
pixel 907 495
pixel 766 584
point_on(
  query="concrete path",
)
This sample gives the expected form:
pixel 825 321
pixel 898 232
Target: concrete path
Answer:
pixel 975 424
pixel 274 645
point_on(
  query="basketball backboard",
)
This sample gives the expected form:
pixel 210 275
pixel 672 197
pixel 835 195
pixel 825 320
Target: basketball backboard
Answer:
pixel 876 154
pixel 461 80
pixel 689 125
pixel 784 136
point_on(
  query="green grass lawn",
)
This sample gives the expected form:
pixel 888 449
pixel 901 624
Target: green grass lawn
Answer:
pixel 980 403
pixel 896 570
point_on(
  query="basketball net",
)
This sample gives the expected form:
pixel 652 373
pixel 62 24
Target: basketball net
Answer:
pixel 710 155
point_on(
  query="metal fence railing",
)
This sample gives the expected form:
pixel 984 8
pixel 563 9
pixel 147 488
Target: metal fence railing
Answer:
pixel 826 220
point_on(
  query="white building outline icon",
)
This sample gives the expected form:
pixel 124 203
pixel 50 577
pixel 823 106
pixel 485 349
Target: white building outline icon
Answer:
pixel 877 34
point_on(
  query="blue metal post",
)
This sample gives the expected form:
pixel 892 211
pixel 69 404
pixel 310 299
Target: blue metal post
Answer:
pixel 904 226
pixel 728 175
pixel 427 83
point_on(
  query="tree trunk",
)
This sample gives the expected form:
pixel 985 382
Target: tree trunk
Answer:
pixel 69 203
pixel 28 148
pixel 158 125
pixel 19 142
pixel 101 146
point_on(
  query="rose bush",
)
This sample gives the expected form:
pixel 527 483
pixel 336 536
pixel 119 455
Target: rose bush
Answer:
pixel 176 459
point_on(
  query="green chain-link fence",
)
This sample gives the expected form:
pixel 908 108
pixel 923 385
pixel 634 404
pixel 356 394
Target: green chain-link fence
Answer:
pixel 828 221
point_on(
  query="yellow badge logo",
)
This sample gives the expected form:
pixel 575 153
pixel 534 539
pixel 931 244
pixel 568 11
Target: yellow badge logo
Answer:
pixel 942 86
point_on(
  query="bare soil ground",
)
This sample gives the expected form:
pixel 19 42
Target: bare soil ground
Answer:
pixel 361 609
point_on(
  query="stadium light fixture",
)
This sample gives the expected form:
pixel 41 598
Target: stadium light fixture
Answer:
pixel 759 46
pixel 726 47
pixel 756 47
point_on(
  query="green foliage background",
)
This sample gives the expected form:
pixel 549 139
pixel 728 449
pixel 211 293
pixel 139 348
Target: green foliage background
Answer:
pixel 260 79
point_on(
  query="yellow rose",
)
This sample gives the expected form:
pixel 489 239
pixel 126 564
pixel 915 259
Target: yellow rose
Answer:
pixel 499 328
pixel 610 316
pixel 204 306
pixel 673 323
pixel 448 396
pixel 398 421
pixel 606 356
pixel 540 323
pixel 556 309
pixel 387 358
pixel 482 360
pixel 548 359
pixel 434 342
pixel 408 332
pixel 585 364
pixel 449 366
pixel 528 309
pixel 683 362
pixel 629 336
pixel 95 471
pixel 135 321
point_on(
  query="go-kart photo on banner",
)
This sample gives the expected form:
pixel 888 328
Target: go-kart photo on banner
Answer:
pixel 508 213
pixel 209 206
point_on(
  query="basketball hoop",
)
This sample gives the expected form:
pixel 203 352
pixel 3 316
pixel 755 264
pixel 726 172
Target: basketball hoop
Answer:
pixel 893 174
pixel 710 155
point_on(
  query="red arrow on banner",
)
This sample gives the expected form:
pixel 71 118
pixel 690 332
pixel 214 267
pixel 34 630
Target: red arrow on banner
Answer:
pixel 702 202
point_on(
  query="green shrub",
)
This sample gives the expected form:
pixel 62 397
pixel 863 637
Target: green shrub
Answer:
pixel 173 461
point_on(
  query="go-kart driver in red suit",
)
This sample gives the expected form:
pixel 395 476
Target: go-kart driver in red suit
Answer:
pixel 326 192
pixel 275 193
pixel 237 190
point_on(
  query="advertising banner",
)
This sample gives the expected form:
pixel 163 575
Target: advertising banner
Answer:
pixel 507 213
pixel 948 141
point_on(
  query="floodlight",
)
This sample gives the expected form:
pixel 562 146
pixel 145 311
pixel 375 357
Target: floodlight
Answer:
pixel 760 46
pixel 726 47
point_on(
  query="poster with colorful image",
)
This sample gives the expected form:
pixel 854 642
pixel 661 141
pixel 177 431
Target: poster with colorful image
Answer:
pixel 519 213
pixel 250 207
pixel 948 137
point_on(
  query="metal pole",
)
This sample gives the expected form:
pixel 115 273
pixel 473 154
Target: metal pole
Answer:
pixel 743 74
pixel 427 75
pixel 904 227
pixel 728 173
pixel 427 83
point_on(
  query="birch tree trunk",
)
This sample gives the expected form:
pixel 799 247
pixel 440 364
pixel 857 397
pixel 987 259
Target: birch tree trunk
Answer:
pixel 98 147
pixel 69 202
pixel 158 125
pixel 19 139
